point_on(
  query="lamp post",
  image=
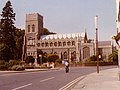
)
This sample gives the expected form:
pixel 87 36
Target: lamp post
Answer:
pixel 40 58
pixel 119 60
pixel 96 27
pixel 117 39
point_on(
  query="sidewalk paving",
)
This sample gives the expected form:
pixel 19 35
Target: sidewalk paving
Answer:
pixel 104 80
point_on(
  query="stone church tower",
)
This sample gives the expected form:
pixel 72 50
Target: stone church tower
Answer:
pixel 34 26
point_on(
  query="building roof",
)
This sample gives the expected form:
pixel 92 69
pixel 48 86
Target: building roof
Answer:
pixel 60 36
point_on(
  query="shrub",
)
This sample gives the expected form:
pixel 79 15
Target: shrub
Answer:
pixel 11 65
pixel 4 66
pixel 52 57
pixel 58 61
pixel 17 68
pixel 29 59
pixel 44 59
pixel 93 58
pixel 13 62
pixel 101 63
pixel 113 57
pixel 2 62
pixel 22 62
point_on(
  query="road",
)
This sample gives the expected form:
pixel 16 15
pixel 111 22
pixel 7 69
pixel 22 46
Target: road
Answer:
pixel 43 80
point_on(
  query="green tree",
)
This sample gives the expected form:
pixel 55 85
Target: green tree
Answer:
pixel 19 38
pixel 40 58
pixel 47 32
pixel 93 58
pixel 52 57
pixel 113 57
pixel 29 59
pixel 7 33
pixel 44 59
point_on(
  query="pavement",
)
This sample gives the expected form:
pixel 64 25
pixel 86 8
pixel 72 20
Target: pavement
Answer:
pixel 104 80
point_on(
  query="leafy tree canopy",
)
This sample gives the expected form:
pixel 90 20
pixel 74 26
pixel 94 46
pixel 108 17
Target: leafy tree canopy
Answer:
pixel 7 32
pixel 52 57
pixel 47 32
pixel 113 57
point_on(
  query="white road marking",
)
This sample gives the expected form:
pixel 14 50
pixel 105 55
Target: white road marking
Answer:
pixel 22 86
pixel 69 85
pixel 47 79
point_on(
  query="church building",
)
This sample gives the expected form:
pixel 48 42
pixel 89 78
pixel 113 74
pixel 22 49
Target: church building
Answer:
pixel 72 46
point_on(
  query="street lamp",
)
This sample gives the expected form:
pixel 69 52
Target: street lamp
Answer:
pixel 40 58
pixel 96 27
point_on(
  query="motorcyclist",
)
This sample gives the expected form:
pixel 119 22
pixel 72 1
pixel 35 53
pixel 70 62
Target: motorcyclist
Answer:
pixel 66 66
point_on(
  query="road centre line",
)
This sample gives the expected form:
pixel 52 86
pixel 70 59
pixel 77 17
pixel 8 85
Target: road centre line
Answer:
pixel 22 86
pixel 47 79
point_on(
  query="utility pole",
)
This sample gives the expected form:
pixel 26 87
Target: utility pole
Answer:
pixel 96 27
pixel 68 55
pixel 117 37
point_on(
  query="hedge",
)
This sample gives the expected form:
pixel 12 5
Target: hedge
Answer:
pixel 100 63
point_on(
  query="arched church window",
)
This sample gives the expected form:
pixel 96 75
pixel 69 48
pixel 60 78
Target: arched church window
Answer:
pixel 38 44
pixel 68 43
pixel 59 44
pixel 33 53
pixel 73 43
pixel 55 44
pixel 46 44
pixel 51 44
pixel 30 41
pixel 64 43
pixel 33 28
pixel 73 56
pixel 28 53
pixel 42 45
pixel 65 55
pixel 28 28
pixel 86 52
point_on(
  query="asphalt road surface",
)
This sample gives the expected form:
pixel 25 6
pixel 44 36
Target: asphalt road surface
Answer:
pixel 44 80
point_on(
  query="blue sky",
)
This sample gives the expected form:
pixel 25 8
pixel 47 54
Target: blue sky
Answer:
pixel 69 16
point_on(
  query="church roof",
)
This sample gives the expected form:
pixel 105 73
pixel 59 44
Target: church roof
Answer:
pixel 60 36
